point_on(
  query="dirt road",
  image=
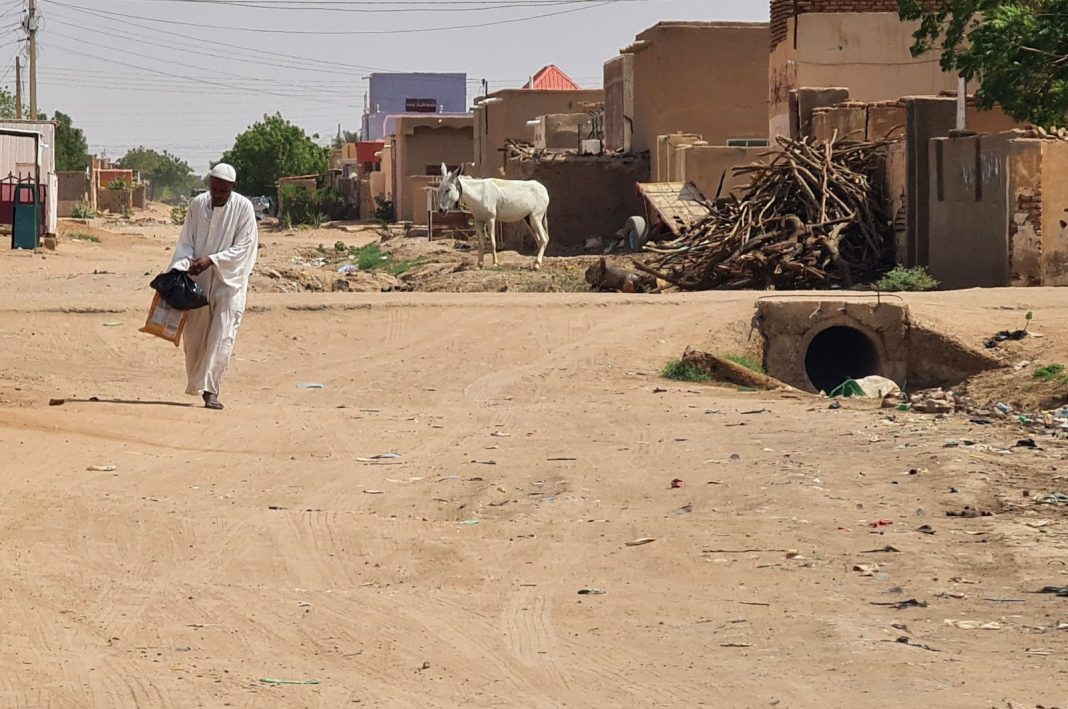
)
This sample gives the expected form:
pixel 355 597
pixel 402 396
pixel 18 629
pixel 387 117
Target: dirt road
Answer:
pixel 532 445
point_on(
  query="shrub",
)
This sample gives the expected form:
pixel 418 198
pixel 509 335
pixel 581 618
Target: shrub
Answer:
pixel 1050 373
pixel 120 186
pixel 82 211
pixel 384 209
pixel 309 207
pixel 907 279
pixel 178 214
pixel 683 372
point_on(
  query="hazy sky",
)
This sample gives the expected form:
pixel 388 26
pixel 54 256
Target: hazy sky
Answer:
pixel 189 75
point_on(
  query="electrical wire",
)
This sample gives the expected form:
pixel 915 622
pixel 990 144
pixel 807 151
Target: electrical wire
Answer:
pixel 350 33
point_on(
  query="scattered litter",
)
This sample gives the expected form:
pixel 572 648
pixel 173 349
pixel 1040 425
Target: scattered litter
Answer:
pixel 560 460
pixel 866 569
pixel 1055 498
pixel 378 458
pixel 348 268
pixel 484 462
pixel 1061 591
pixel 685 509
pixel 112 324
pixel 925 529
pixel 901 605
pixel 102 468
pixel 793 554
pixel 639 542
pixel 372 492
pixel 469 522
pixel 885 550
pixel 272 680
pixel 1005 335
pixel 311 385
pixel 736 645
pixel 969 513
pixel 591 592
pixel 275 507
pixel 1039 524
pixel 905 640
pixel 754 412
pixel 951 594
pixel 881 523
pixel 676 483
pixel 1004 600
pixel 835 405
pixel 658 390
pixel 972 624
pixel 1026 443
pixel 500 434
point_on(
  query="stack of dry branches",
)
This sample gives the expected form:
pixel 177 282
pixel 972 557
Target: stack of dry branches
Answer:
pixel 813 216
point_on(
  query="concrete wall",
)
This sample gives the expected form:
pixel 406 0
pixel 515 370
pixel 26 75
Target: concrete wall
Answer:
pixel 113 201
pixel 421 144
pixel 73 189
pixel 997 211
pixel 706 165
pixel 504 115
pixel 700 77
pixel 969 211
pixel 664 166
pixel 619 103
pixel 865 52
pixel 1054 194
pixel 560 131
pixel 588 196
pixel 927 118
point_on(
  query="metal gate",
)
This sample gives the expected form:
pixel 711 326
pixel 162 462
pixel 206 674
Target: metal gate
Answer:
pixel 8 191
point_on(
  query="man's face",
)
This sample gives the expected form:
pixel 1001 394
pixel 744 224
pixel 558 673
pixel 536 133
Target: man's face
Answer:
pixel 220 191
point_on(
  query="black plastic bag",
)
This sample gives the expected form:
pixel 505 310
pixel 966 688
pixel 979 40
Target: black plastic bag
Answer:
pixel 179 290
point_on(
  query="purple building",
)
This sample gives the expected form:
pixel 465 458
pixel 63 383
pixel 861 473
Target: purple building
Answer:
pixel 411 94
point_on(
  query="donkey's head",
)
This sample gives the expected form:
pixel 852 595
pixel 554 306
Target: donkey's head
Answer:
pixel 449 191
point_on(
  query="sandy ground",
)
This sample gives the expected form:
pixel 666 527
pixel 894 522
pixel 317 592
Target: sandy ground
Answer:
pixel 224 549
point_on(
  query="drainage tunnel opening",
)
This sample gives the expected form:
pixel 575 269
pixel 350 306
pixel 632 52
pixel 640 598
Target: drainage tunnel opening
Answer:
pixel 840 353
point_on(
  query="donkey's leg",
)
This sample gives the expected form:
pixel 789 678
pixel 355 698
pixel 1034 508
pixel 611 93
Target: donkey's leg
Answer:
pixel 480 229
pixel 541 235
pixel 491 227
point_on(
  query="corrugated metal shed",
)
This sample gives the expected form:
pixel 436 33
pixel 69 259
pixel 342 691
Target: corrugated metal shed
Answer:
pixel 679 205
pixel 17 152
pixel 552 78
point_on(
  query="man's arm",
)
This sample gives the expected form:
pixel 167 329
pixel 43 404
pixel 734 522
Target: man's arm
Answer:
pixel 183 252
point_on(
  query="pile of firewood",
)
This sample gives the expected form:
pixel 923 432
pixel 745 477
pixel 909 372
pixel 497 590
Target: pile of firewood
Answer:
pixel 813 216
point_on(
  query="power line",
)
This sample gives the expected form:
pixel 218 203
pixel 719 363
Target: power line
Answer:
pixel 349 33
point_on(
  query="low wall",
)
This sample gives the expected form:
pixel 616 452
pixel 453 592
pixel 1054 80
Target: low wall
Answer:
pixel 588 196
pixel 706 165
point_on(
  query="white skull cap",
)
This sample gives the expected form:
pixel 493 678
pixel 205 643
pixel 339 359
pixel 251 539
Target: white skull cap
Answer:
pixel 224 172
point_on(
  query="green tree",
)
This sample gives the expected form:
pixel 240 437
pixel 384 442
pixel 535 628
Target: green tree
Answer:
pixel 169 175
pixel 346 136
pixel 7 105
pixel 1017 51
pixel 72 150
pixel 270 149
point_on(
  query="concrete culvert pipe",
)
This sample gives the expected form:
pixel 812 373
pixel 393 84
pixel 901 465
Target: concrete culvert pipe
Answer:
pixel 840 353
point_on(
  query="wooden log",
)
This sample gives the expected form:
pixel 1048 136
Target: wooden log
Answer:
pixel 603 276
pixel 724 370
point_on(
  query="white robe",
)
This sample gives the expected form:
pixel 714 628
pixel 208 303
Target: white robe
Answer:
pixel 228 236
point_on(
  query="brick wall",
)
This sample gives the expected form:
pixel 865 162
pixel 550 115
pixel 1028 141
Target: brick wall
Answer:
pixel 783 10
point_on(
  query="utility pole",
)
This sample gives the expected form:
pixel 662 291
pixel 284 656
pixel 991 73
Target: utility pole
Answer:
pixel 18 88
pixel 31 30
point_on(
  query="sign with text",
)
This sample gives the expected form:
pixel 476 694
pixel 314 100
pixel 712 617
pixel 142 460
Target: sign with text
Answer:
pixel 421 105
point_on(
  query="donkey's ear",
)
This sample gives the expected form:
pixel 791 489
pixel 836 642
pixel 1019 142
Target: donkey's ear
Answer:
pixel 444 170
pixel 460 170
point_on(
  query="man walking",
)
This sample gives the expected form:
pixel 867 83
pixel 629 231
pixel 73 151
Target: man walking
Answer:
pixel 218 248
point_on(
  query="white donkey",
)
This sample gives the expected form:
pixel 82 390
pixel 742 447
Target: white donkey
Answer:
pixel 490 201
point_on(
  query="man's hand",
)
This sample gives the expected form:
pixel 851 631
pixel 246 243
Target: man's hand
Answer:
pixel 200 265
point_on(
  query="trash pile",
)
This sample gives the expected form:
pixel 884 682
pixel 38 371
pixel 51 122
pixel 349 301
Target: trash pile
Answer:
pixel 813 217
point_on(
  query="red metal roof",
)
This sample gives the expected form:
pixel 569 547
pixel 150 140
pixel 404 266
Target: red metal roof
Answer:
pixel 551 77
